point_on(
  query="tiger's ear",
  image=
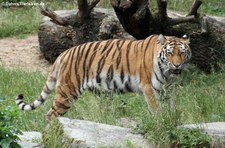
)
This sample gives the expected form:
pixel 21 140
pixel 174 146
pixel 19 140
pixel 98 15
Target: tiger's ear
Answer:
pixel 161 39
pixel 186 38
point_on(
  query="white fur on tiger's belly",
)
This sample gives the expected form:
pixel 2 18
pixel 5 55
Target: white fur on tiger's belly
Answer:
pixel 115 84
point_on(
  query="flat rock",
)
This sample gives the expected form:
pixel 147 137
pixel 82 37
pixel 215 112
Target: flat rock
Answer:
pixel 29 139
pixel 213 129
pixel 90 134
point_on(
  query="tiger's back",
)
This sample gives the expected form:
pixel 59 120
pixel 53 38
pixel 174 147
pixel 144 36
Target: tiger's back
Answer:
pixel 114 65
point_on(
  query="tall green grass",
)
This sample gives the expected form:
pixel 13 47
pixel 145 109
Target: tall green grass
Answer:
pixel 17 81
pixel 210 7
pixel 198 97
pixel 16 21
pixel 24 20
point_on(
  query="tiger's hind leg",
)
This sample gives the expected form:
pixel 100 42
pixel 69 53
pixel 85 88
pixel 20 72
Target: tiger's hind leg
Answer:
pixel 62 103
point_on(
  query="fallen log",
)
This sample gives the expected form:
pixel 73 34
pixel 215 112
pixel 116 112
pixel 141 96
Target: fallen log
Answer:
pixel 207 40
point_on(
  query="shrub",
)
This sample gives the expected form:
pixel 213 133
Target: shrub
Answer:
pixel 8 126
pixel 186 137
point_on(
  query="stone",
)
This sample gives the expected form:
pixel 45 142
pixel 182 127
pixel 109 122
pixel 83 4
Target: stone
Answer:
pixel 125 122
pixel 29 139
pixel 90 134
pixel 214 129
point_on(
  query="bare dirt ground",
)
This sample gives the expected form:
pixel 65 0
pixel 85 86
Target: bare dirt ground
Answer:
pixel 23 54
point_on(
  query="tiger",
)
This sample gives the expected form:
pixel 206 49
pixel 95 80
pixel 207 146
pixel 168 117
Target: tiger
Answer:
pixel 115 65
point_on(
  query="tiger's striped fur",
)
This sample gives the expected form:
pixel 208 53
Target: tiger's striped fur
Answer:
pixel 113 65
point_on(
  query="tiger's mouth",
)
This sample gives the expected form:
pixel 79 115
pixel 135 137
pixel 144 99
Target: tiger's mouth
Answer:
pixel 175 71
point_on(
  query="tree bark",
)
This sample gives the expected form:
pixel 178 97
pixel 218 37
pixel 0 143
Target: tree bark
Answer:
pixel 54 38
pixel 134 16
pixel 83 10
pixel 194 8
pixel 137 19
pixel 162 10
pixel 54 17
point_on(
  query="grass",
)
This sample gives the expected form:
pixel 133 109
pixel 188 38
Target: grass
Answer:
pixel 17 21
pixel 11 24
pixel 199 98
pixel 210 7
pixel 25 20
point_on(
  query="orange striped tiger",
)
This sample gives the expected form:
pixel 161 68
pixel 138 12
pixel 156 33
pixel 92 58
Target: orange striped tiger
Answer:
pixel 115 65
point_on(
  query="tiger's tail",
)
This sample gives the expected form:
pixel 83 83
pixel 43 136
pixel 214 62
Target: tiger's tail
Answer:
pixel 49 86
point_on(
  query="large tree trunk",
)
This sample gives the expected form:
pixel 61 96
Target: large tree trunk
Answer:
pixel 135 17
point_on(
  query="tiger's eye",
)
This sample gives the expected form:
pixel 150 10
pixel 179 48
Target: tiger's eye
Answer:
pixel 182 52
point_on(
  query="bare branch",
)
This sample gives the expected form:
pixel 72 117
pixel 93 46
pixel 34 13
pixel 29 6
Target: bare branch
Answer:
pixel 85 8
pixel 54 17
pixel 134 16
pixel 115 3
pixel 83 12
pixel 194 8
pixel 121 5
pixel 175 21
pixel 126 4
pixel 162 9
pixel 191 17
pixel 93 4
pixel 141 12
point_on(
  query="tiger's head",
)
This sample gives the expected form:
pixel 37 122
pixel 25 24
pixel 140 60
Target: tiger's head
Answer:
pixel 174 55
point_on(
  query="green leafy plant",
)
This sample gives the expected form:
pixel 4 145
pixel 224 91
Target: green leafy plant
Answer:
pixel 186 137
pixel 8 129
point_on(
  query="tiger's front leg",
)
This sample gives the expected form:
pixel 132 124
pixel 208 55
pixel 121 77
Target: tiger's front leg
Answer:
pixel 150 98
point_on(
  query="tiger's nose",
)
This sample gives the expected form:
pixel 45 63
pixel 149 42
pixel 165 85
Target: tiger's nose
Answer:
pixel 176 65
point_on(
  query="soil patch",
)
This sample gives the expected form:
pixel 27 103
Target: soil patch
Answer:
pixel 23 54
